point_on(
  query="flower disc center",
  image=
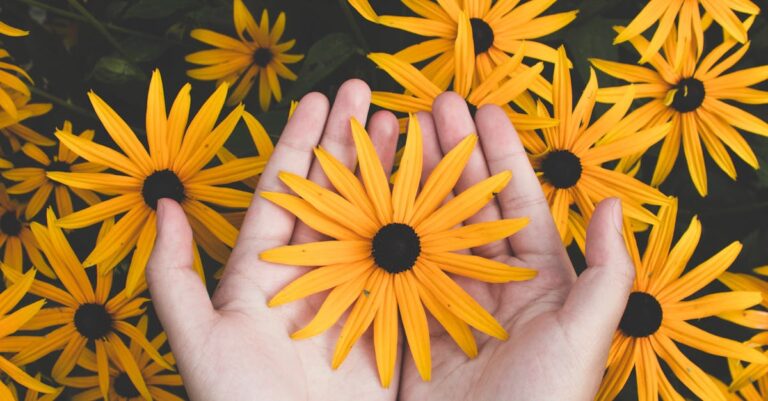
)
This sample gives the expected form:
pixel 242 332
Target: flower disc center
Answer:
pixel 262 56
pixel 396 247
pixel 93 321
pixel 689 96
pixel 58 165
pixel 10 224
pixel 482 35
pixel 643 315
pixel 562 168
pixel 162 184
pixel 124 386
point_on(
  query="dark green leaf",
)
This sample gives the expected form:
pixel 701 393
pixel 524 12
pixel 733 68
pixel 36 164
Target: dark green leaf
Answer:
pixel 142 50
pixel 151 9
pixel 116 70
pixel 323 58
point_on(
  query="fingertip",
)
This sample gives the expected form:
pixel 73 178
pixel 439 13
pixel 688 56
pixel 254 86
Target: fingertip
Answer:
pixel 491 112
pixel 357 90
pixel 450 102
pixel 312 101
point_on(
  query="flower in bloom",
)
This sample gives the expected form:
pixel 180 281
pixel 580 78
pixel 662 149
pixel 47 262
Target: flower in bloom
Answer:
pixel 256 54
pixel 173 168
pixel 9 324
pixel 390 250
pixel 121 387
pixel 11 85
pixel 16 132
pixel 468 39
pixel 697 98
pixel 568 157
pixel 34 395
pixel 657 312
pixel 85 317
pixel 16 239
pixel 35 179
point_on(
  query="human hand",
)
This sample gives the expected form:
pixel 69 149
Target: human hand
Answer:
pixel 560 327
pixel 233 347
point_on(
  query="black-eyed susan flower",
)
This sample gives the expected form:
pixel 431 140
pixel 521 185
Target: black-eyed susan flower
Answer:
pixel 569 162
pixel 468 39
pixel 256 54
pixel 691 24
pixel 34 395
pixel 657 312
pixel 12 85
pixel 390 250
pixel 35 179
pixel 16 239
pixel 17 133
pixel 84 317
pixel 698 99
pixel 9 324
pixel 753 389
pixel 496 89
pixel 121 387
pixel 173 168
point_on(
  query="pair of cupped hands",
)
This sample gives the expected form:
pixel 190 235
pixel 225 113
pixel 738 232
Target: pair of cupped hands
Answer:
pixel 234 347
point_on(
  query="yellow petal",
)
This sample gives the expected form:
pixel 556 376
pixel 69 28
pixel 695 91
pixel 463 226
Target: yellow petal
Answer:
pixel 414 322
pixel 319 253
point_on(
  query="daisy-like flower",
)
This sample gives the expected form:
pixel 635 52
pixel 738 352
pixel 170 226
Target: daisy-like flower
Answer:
pixel 34 395
pixel 569 162
pixel 657 313
pixel 173 168
pixel 256 54
pixel 391 249
pixel 85 318
pixel 754 389
pixel 697 99
pixel 16 238
pixel 690 23
pixel 468 39
pixel 9 324
pixel 496 89
pixel 121 386
pixel 35 179
pixel 11 84
pixel 16 132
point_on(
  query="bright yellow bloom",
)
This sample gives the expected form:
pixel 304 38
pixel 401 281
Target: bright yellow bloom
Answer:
pixel 694 99
pixel 174 167
pixel 12 86
pixel 35 179
pixel 9 323
pixel 756 388
pixel 86 317
pixel 34 395
pixel 690 23
pixel 568 158
pixel 496 89
pixel 391 248
pixel 16 237
pixel 259 55
pixel 470 38
pixel 15 132
pixel 656 314
pixel 121 388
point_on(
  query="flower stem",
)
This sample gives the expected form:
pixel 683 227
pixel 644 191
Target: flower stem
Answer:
pixel 63 103
pixel 354 26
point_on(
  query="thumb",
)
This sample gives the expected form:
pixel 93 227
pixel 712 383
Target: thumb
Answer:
pixel 178 294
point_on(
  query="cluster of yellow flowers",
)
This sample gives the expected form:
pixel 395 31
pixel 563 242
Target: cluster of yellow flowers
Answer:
pixel 477 48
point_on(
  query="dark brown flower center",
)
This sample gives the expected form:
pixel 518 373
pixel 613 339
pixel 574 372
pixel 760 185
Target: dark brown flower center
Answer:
pixel 396 247
pixel 642 316
pixel 162 184
pixel 93 321
pixel 58 165
pixel 124 386
pixel 482 35
pixel 10 224
pixel 262 56
pixel 689 96
pixel 561 168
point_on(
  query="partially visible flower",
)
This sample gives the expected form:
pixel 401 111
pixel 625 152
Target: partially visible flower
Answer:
pixel 35 179
pixel 16 239
pixel 256 55
pixel 756 389
pixel 121 387
pixel 85 318
pixel 8 30
pixel 12 86
pixel 14 131
pixel 697 99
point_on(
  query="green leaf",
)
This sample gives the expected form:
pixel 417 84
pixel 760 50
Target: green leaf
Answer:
pixel 116 70
pixel 152 9
pixel 323 58
pixel 142 50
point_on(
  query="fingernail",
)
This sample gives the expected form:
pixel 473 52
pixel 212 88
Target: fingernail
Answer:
pixel 618 216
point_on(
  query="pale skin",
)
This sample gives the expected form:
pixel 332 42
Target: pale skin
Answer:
pixel 234 347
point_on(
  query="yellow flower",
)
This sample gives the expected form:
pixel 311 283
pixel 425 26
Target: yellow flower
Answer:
pixel 656 314
pixel 173 168
pixel 8 30
pixel 754 389
pixel 11 86
pixel 694 99
pixel 391 248
pixel 16 237
pixel 495 89
pixel 470 38
pixel 35 179
pixel 14 131
pixel 9 323
pixel 121 386
pixel 690 23
pixel 86 317
pixel 257 55
pixel 34 395
pixel 569 162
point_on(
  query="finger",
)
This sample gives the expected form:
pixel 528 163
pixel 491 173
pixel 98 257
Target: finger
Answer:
pixel 384 131
pixel 523 196
pixel 432 152
pixel 597 300
pixel 454 123
pixel 266 225
pixel 178 294
pixel 352 100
